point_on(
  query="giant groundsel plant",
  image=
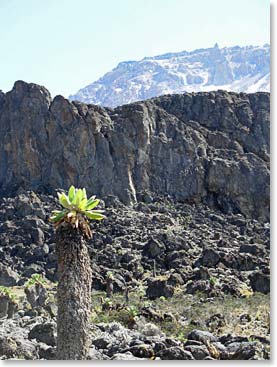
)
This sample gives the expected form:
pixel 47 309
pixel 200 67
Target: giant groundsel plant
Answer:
pixel 76 209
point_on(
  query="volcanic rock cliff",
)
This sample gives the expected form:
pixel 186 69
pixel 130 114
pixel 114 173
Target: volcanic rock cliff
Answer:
pixel 209 147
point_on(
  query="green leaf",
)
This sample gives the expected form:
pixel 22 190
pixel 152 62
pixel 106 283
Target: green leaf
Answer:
pixel 93 215
pixel 91 198
pixel 55 212
pixel 92 204
pixel 78 197
pixel 56 218
pixel 83 204
pixel 63 199
pixel 71 193
pixel 84 194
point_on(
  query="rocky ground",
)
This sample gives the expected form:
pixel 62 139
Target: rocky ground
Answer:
pixel 180 259
pixel 189 282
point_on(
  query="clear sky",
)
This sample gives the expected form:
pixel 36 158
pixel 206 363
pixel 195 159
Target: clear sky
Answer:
pixel 67 44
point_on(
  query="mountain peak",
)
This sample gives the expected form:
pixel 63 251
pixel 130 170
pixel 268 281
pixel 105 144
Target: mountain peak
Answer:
pixel 238 69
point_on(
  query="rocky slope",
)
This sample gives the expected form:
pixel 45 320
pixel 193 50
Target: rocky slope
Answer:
pixel 199 147
pixel 190 244
pixel 184 181
pixel 238 69
pixel 185 267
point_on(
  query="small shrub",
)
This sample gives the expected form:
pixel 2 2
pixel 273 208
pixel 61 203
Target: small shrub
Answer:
pixel 35 279
pixel 213 281
pixel 7 292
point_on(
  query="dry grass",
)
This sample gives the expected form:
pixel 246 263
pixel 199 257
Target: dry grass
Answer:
pixel 218 315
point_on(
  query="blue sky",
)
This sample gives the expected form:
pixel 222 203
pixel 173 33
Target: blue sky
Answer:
pixel 67 44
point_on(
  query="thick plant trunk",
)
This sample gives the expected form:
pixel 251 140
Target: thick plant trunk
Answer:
pixel 73 295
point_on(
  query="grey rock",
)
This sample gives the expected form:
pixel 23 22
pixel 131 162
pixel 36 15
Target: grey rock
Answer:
pixel 95 354
pixel 245 351
pixel 210 257
pixel 31 295
pixel 150 329
pixel 171 342
pixel 153 248
pixel 45 333
pixel 229 339
pixel 42 295
pixel 26 349
pixel 8 346
pixel 15 346
pixel 199 286
pixel 37 236
pixel 159 345
pixel 221 349
pixel 254 249
pixel 157 288
pixel 175 353
pixel 142 351
pixel 128 356
pixel 41 251
pixel 46 352
pixel 32 269
pixel 260 282
pixel 8 277
pixel 199 352
pixel 52 309
pixel 12 308
pixel 113 338
pixel 175 279
pixel 202 336
pixel 4 304
pixel 192 342
pixel 102 342
pixel 37 295
pixel 23 206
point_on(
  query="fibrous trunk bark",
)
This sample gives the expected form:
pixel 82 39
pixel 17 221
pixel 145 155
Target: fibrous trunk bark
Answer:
pixel 73 294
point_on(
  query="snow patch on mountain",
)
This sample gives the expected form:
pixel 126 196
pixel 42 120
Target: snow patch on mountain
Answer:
pixel 239 69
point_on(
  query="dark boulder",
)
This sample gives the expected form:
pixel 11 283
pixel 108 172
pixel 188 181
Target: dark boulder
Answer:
pixel 175 353
pixel 245 351
pixel 210 257
pixel 153 248
pixel 8 277
pixel 260 282
pixel 159 287
pixel 142 351
pixel 46 352
pixel 199 352
pixel 202 336
pixel 4 304
pixel 45 333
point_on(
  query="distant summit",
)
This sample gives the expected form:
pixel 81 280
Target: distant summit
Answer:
pixel 238 69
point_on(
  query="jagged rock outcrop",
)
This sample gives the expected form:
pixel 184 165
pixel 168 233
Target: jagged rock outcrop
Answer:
pixel 201 147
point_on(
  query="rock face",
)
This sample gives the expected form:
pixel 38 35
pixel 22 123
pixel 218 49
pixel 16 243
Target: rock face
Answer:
pixel 200 147
pixel 238 69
